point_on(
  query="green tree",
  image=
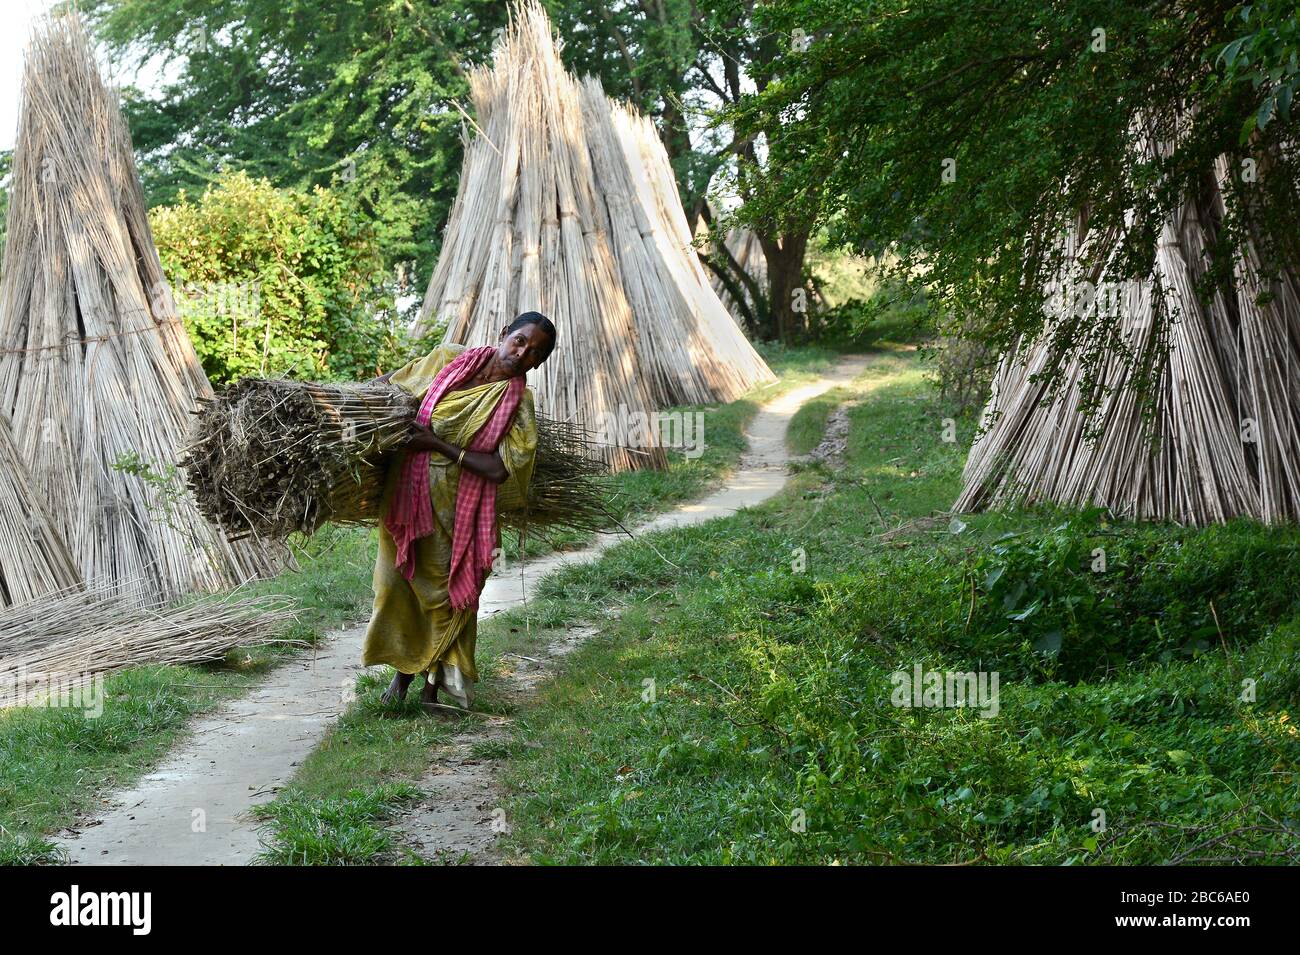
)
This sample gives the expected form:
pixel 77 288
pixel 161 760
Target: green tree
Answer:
pixel 359 94
pixel 354 93
pixel 967 136
pixel 279 281
pixel 686 63
pixel 753 56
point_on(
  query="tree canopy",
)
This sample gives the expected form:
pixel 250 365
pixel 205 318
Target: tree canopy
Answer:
pixel 362 94
pixel 968 137
pixel 278 281
pixel 353 92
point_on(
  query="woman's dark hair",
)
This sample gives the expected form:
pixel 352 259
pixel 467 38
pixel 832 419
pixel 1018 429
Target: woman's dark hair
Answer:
pixel 535 318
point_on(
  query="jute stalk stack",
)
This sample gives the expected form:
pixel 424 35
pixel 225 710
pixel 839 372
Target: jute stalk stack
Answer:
pixel 747 251
pixel 95 366
pixel 559 210
pixel 59 643
pixel 275 457
pixel 720 363
pixel 34 560
pixel 1223 440
pixel 567 490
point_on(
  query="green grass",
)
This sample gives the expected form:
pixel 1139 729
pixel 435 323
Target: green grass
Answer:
pixel 55 763
pixel 638 494
pixel 809 423
pixel 771 737
pixel 336 830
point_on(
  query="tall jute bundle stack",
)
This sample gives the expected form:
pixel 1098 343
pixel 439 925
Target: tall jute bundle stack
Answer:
pixel 567 205
pixel 688 329
pixel 95 367
pixel 1224 439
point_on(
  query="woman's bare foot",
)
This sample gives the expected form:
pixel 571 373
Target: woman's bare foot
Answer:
pixel 429 695
pixel 397 689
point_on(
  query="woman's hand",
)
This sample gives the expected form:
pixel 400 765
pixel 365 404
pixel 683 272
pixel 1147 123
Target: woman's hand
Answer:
pixel 423 439
pixel 485 465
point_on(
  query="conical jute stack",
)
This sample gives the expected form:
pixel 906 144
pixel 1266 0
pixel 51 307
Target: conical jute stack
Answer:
pixel 1224 439
pixel 567 205
pixel 747 252
pixel 96 370
pixel 690 317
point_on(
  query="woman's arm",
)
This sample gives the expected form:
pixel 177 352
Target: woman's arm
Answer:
pixel 381 379
pixel 489 466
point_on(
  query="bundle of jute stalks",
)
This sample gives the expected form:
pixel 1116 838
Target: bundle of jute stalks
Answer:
pixel 272 457
pixel 60 643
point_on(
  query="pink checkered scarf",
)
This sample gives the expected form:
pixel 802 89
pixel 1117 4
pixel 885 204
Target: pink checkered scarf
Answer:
pixel 474 535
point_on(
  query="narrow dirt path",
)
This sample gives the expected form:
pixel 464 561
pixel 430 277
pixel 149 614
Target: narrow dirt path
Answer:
pixel 193 809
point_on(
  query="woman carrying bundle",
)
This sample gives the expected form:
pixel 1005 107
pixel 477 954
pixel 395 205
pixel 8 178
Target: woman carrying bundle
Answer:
pixel 475 431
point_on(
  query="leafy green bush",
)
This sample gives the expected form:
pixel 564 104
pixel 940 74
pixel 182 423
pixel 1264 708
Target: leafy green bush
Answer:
pixel 1132 714
pixel 280 281
pixel 850 321
pixel 892 311
pixel 1090 598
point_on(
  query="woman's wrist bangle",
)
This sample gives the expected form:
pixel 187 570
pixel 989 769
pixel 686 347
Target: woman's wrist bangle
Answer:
pixel 462 456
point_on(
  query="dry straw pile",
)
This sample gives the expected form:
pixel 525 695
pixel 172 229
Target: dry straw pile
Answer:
pixel 60 643
pixel 1224 439
pixel 567 204
pixel 95 367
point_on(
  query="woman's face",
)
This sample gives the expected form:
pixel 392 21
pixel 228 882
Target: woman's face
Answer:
pixel 521 351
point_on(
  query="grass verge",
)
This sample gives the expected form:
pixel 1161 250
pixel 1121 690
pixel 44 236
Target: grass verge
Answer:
pixel 56 763
pixel 744 707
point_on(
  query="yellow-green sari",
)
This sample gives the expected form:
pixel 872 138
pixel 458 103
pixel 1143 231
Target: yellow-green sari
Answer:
pixel 412 625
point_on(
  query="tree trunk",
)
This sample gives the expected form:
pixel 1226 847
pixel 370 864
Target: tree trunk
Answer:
pixel 787 297
pixel 739 284
pixel 694 211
